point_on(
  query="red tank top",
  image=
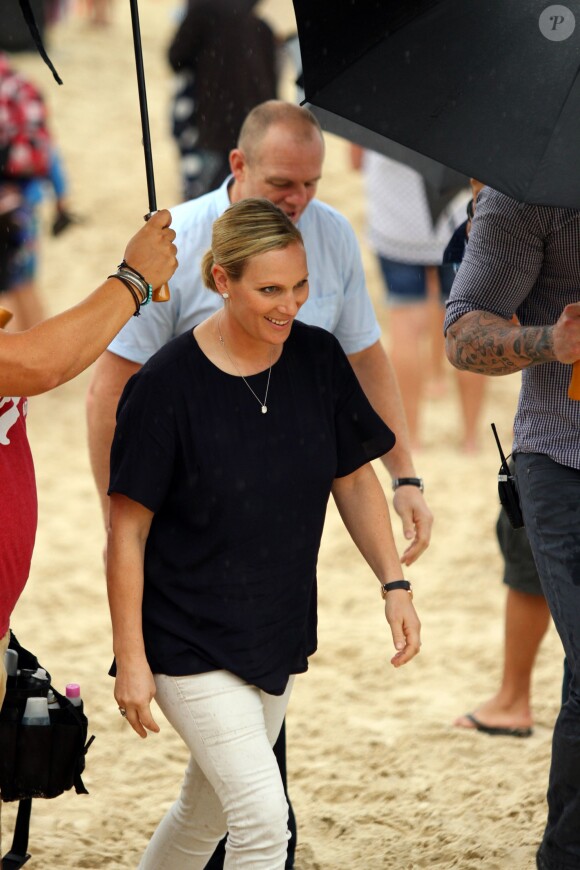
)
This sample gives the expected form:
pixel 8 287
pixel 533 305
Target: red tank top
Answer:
pixel 18 505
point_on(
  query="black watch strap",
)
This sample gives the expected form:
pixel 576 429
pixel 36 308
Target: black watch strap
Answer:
pixel 409 481
pixel 396 584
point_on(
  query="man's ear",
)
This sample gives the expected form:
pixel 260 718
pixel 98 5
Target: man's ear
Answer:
pixel 238 164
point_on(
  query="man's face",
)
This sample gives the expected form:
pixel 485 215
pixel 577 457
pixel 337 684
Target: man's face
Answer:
pixel 285 168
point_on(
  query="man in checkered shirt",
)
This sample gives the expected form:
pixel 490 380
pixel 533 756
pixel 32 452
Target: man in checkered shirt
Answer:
pixel 525 259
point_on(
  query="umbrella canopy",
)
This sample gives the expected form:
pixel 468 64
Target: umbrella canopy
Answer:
pixel 490 88
pixel 442 184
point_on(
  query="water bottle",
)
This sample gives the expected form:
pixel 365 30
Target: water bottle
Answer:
pixel 36 712
pixel 73 693
pixel 11 666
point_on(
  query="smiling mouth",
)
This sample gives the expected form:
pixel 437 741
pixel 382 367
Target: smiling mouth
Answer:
pixel 277 322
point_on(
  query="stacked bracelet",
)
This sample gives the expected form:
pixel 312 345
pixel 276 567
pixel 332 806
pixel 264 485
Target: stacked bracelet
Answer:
pixel 133 293
pixel 135 283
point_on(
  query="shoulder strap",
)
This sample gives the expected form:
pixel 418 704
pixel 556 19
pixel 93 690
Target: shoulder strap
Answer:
pixel 18 855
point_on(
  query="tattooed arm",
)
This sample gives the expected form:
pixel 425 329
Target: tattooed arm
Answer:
pixel 489 345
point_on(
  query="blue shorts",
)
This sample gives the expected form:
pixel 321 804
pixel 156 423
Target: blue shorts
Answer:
pixel 20 246
pixel 406 282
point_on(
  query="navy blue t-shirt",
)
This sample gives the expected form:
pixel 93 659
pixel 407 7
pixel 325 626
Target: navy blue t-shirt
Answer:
pixel 239 499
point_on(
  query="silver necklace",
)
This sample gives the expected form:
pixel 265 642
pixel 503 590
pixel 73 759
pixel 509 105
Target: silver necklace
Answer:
pixel 257 398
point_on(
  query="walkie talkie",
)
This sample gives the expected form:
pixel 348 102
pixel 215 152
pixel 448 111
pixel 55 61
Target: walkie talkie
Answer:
pixel 506 487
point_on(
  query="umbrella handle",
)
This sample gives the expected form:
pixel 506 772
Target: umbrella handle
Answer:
pixel 160 294
pixel 574 385
pixel 5 317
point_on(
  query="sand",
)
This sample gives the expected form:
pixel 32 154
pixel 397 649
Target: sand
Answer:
pixel 379 778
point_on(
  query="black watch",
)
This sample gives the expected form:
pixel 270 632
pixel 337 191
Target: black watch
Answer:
pixel 396 584
pixel 409 481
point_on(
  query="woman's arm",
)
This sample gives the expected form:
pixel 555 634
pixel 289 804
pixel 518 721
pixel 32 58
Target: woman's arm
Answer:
pixel 58 349
pixel 364 511
pixel 134 686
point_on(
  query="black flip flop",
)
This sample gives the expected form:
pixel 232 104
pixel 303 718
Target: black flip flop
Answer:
pixel 498 731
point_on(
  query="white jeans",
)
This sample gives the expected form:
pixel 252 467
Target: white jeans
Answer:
pixel 232 782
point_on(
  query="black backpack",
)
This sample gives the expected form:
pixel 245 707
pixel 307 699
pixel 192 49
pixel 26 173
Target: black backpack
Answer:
pixel 37 761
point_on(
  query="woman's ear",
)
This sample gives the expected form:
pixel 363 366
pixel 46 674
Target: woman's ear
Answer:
pixel 221 280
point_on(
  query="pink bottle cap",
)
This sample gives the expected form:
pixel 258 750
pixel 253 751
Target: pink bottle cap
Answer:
pixel 73 690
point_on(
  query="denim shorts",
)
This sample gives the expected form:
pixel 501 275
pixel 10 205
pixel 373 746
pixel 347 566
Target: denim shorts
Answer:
pixel 406 282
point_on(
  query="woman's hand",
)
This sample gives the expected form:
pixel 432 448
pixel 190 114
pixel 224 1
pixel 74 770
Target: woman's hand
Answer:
pixel 405 626
pixel 134 691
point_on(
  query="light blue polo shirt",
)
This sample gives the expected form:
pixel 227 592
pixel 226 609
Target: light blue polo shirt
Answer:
pixel 338 300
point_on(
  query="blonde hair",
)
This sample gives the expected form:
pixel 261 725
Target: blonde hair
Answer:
pixel 246 229
pixel 303 123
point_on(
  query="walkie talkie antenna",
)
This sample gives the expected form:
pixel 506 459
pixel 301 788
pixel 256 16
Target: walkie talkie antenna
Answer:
pixel 504 464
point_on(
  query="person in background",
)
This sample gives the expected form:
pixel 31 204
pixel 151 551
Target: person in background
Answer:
pixel 527 616
pixel 225 61
pixel 409 248
pixel 29 164
pixel 228 444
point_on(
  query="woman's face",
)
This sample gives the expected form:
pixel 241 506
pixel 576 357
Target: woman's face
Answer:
pixel 263 303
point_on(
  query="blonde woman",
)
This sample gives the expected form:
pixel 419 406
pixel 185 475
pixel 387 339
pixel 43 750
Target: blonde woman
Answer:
pixel 228 444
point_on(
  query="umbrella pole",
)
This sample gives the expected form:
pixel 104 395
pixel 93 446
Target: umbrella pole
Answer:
pixel 160 294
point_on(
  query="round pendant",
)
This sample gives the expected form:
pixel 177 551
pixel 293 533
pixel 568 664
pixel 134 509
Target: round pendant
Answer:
pixel 264 409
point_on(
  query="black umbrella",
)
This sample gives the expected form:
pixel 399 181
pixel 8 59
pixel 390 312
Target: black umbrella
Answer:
pixel 489 88
pixel 442 184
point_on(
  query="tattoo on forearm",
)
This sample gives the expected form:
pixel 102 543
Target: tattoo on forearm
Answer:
pixel 486 344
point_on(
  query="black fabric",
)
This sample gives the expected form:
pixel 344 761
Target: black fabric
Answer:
pixel 233 56
pixel 239 499
pixel 18 854
pixel 501 109
pixel 15 34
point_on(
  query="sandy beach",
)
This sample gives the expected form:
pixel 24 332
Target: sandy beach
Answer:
pixel 378 776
